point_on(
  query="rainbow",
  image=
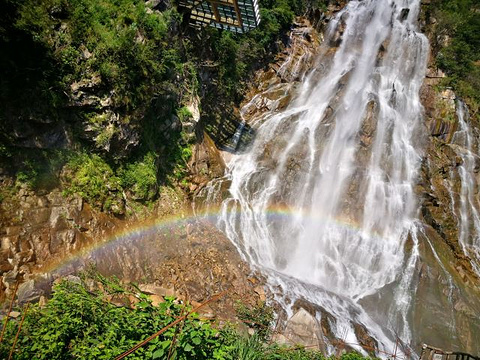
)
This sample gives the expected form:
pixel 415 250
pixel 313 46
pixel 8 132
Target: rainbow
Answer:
pixel 149 227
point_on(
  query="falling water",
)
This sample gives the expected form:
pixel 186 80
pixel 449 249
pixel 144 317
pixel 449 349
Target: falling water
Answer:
pixel 341 161
pixel 468 215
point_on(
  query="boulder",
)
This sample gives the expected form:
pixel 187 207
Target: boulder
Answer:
pixel 303 329
pixel 27 292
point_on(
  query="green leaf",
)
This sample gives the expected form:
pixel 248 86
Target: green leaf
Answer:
pixel 158 354
pixel 188 347
pixel 142 304
pixel 165 344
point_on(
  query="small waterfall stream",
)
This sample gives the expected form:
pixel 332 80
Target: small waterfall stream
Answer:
pixel 323 202
pixel 467 212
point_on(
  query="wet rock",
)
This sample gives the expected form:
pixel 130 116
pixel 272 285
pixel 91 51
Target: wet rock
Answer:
pixel 88 83
pixel 70 278
pixel 189 123
pixel 193 268
pixel 42 301
pixel 369 125
pixel 133 300
pixel 52 227
pixel 156 300
pixel 445 271
pixel 109 131
pixel 39 216
pixel 159 5
pixel 261 293
pixel 272 90
pixel 205 164
pixel 465 309
pixel 364 338
pixel 404 14
pixel 53 135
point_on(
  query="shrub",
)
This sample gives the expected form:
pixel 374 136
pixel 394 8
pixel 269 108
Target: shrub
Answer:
pixel 140 178
pixel 183 114
pixel 127 41
pixel 94 317
pixel 458 32
pixel 80 322
pixel 89 176
pixel 259 317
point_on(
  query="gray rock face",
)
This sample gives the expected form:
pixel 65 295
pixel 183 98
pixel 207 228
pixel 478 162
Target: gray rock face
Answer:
pixel 29 292
pixel 303 329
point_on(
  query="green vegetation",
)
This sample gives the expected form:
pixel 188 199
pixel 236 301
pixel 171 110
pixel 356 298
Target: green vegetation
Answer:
pixel 115 75
pixel 259 318
pixel 140 178
pixel 118 51
pixel 180 157
pixel 101 183
pixel 457 35
pixel 239 55
pixel 94 317
pixel 183 114
pixel 82 321
pixel 94 180
pixel 142 68
pixel 125 50
pixel 119 40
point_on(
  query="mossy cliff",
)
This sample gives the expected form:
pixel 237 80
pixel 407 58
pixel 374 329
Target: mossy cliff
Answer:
pixel 107 114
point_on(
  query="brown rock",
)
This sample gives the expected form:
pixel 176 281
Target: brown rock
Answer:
pixel 261 293
pixel 157 300
pixel 15 314
pixel 151 289
pixel 364 339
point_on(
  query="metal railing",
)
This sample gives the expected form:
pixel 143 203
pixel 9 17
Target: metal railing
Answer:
pixel 432 353
pixel 234 15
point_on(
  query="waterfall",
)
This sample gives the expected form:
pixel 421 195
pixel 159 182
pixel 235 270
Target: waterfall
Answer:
pixel 323 202
pixel 467 212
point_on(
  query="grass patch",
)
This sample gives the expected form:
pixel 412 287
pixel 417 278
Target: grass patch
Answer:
pixel 90 177
pixel 140 178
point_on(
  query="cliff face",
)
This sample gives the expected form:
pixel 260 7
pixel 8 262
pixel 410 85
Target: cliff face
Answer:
pixel 447 275
pixel 99 127
pixel 452 124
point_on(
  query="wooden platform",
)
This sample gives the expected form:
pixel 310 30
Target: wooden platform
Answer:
pixel 234 15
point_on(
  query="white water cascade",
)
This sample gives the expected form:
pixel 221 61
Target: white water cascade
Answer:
pixel 468 214
pixel 323 202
